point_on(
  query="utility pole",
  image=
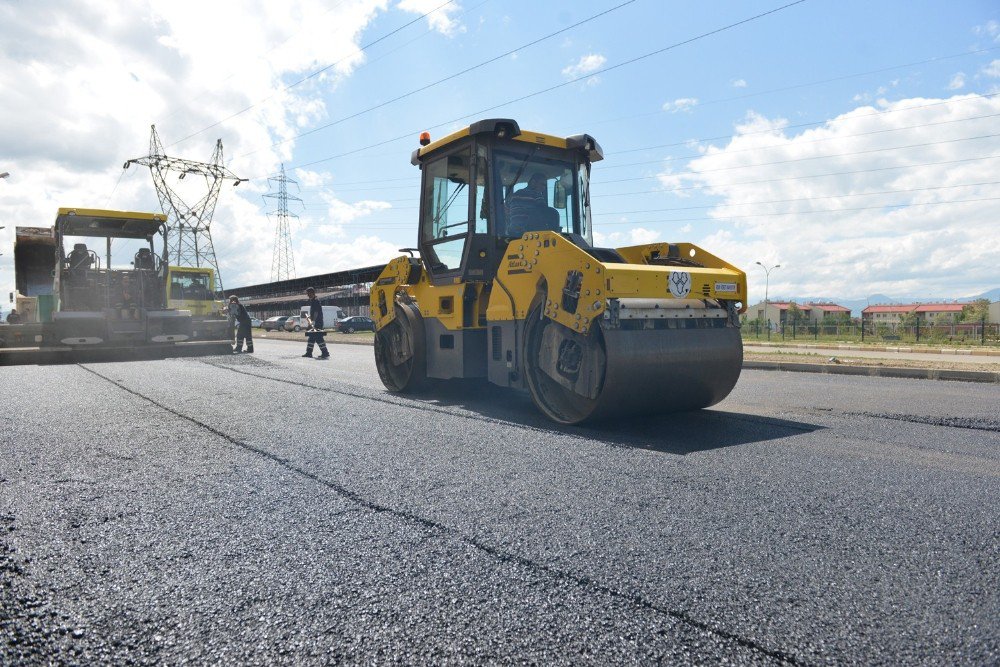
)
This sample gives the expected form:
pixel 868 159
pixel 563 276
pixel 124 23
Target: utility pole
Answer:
pixel 767 280
pixel 4 175
pixel 282 261
pixel 189 235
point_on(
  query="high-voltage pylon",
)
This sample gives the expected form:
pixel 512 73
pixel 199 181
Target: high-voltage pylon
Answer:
pixel 282 262
pixel 189 235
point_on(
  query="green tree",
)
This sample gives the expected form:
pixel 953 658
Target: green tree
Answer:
pixel 976 311
pixel 908 319
pixel 794 313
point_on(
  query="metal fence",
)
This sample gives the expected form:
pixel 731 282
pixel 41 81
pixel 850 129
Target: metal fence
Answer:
pixel 962 333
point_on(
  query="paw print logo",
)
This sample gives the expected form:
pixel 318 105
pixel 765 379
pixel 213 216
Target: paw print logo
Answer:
pixel 679 283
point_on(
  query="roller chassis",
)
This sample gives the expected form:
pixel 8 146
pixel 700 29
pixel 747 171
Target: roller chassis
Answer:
pixel 562 331
pixel 589 332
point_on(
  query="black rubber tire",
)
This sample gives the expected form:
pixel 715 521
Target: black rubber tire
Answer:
pixel 297 328
pixel 411 375
pixel 349 330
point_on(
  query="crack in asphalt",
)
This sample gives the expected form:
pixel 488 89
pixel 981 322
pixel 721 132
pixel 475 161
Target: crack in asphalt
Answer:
pixel 582 581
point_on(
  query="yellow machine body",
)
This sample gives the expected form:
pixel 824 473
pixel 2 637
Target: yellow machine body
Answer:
pixel 590 332
pixel 193 289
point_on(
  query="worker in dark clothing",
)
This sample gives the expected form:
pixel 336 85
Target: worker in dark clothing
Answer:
pixel 315 334
pixel 127 302
pixel 13 317
pixel 243 330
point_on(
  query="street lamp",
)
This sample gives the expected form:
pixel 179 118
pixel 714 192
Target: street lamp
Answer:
pixel 767 281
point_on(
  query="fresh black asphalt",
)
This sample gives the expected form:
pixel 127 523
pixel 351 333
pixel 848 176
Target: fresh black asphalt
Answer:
pixel 271 509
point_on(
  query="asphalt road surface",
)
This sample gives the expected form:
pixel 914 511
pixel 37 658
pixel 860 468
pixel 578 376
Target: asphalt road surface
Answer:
pixel 272 509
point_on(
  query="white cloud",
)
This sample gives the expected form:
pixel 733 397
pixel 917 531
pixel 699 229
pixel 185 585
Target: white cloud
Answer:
pixel 681 104
pixel 441 19
pixel 324 256
pixel 83 82
pixel 993 69
pixel 833 238
pixel 957 82
pixel 990 29
pixel 625 238
pixel 587 64
pixel 739 83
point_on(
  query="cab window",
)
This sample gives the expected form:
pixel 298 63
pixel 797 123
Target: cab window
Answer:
pixel 540 192
pixel 185 285
pixel 445 222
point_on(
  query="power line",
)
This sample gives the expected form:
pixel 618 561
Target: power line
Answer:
pixel 802 199
pixel 716 138
pixel 692 174
pixel 701 156
pixel 386 226
pixel 821 157
pixel 801 125
pixel 400 225
pixel 314 74
pixel 791 178
pixel 602 195
pixel 810 212
pixel 414 181
pixel 604 70
pixel 783 89
pixel 447 78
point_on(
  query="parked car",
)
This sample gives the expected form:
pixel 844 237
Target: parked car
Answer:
pixel 356 323
pixel 296 323
pixel 274 323
pixel 255 323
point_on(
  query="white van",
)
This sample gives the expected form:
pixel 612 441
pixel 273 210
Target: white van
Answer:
pixel 330 315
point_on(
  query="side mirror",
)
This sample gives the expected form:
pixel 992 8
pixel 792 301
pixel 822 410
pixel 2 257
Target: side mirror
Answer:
pixel 559 195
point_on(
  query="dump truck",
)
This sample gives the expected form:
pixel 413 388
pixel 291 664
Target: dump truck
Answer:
pixel 506 284
pixel 73 299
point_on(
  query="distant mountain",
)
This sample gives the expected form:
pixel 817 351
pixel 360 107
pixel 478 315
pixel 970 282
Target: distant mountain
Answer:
pixel 992 295
pixel 857 305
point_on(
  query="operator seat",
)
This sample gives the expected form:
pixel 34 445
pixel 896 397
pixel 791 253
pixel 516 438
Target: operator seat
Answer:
pixel 80 260
pixel 79 290
pixel 143 259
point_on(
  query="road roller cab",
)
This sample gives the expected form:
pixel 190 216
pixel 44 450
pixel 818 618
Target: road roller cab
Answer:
pixel 506 284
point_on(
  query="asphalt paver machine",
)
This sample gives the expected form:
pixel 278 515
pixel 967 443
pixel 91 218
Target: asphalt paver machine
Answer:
pixel 73 298
pixel 506 284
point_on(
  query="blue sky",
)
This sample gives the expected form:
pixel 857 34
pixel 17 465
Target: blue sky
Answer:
pixel 839 139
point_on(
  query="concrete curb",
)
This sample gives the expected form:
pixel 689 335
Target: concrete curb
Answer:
pixel 978 352
pixel 988 377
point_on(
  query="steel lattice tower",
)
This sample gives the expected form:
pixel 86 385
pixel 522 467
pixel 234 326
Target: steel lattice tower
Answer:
pixel 189 235
pixel 282 262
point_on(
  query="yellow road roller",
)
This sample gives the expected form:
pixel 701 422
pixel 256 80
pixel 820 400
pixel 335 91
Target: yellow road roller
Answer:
pixel 506 284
